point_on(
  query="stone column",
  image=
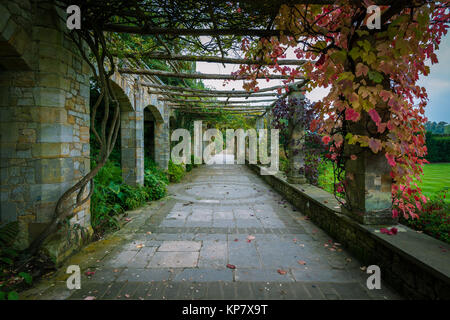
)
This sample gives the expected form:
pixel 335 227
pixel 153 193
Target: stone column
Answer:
pixel 132 144
pixel 368 181
pixel 44 119
pixel 162 140
pixel 296 157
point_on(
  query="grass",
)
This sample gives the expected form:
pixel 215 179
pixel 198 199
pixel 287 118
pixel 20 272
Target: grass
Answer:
pixel 436 177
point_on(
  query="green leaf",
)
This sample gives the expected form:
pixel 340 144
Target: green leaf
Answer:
pixel 354 53
pixel 339 56
pixel 375 76
pixel 6 260
pixel 2 295
pixel 26 277
pixel 114 187
pixel 12 295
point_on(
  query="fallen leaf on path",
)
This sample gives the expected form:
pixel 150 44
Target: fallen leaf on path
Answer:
pixel 236 240
pixel 231 266
pixel 301 262
pixel 90 298
pixel 127 295
pixel 140 245
pixel 250 238
pixel 282 272
pixel 127 219
pixel 90 273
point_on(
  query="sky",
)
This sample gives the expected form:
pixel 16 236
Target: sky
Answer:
pixel 437 83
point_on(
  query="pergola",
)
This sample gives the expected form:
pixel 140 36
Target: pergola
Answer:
pixel 210 31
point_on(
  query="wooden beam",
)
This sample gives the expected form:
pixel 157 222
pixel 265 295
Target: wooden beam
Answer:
pixel 161 56
pixel 218 92
pixel 217 107
pixel 210 95
pixel 146 30
pixel 214 102
pixel 210 76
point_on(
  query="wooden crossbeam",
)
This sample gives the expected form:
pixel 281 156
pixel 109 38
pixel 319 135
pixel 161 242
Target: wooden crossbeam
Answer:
pixel 214 102
pixel 214 106
pixel 214 112
pixel 210 76
pixel 205 95
pixel 161 56
pixel 217 92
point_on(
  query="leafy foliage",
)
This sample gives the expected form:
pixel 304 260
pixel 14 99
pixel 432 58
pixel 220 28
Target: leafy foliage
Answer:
pixel 112 197
pixel 434 218
pixel 176 172
pixel 312 147
pixel 10 281
pixel 372 75
pixel 438 147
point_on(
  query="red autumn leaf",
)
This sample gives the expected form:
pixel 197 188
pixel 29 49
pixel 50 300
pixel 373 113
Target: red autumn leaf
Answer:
pixel 390 159
pixel 231 266
pixel 90 273
pixel 301 262
pixel 361 69
pixel 375 116
pixel 282 272
pixel 326 139
pixel 351 114
pixel 375 145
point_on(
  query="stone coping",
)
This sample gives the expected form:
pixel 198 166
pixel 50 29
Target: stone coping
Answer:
pixel 423 252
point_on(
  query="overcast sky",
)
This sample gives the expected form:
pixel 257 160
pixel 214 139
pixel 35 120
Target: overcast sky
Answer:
pixel 437 83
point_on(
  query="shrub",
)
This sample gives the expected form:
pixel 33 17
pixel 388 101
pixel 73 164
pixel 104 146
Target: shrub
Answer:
pixel 157 187
pixel 10 280
pixel 176 172
pixel 438 147
pixel 434 218
pixel 152 167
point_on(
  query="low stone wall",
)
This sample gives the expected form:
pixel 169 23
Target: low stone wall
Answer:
pixel 415 264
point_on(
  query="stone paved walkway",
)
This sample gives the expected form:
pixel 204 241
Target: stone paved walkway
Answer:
pixel 179 248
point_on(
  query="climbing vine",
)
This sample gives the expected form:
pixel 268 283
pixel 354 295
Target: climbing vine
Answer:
pixel 374 102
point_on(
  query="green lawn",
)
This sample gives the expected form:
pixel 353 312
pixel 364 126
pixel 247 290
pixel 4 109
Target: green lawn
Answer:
pixel 436 176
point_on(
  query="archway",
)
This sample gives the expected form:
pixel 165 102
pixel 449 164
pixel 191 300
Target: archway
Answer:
pixel 156 136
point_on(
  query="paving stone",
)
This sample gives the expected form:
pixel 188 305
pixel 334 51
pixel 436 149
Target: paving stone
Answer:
pixel 112 290
pixel 180 246
pixel 174 260
pixel 213 254
pixel 265 275
pixel 204 275
pixel 144 275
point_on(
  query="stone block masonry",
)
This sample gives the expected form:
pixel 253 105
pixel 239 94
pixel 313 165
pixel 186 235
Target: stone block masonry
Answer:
pixel 44 107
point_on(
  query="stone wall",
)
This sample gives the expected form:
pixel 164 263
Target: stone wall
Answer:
pixel 44 115
pixel 410 262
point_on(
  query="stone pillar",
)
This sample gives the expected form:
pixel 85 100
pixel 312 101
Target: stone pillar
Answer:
pixel 162 140
pixel 259 123
pixel 132 144
pixel 44 116
pixel 368 181
pixel 296 173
